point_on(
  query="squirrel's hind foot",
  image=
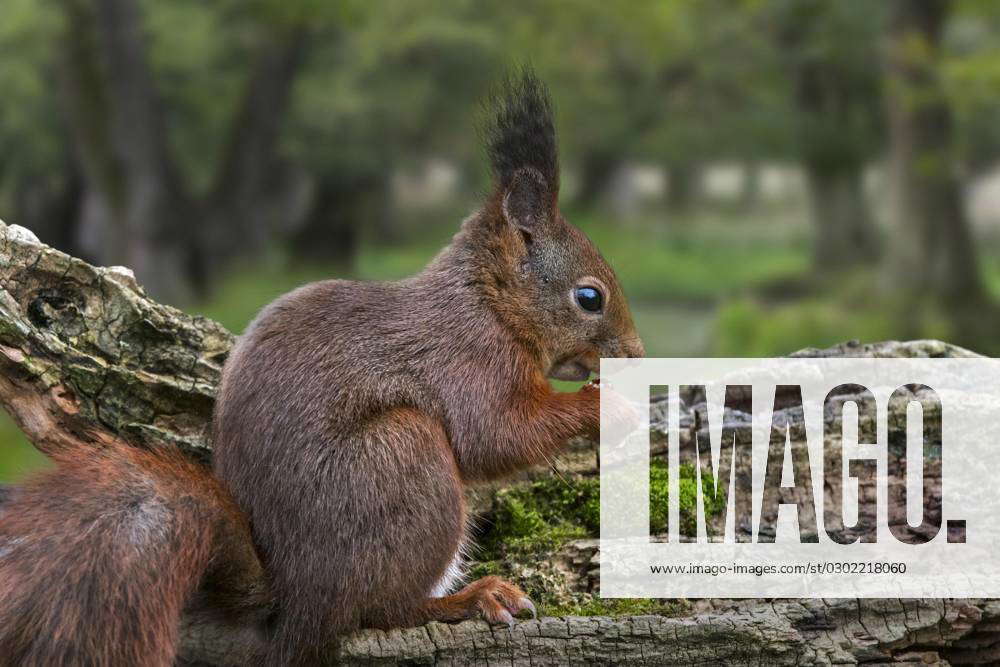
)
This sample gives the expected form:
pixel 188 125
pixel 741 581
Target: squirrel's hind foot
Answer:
pixel 494 599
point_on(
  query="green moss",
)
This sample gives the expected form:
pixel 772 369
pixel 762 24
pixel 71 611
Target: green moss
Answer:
pixel 479 569
pixel 541 515
pixel 595 606
pixel 529 523
pixel 659 497
pixel 545 513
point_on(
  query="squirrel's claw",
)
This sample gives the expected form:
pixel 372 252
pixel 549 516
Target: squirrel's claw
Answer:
pixel 505 617
pixel 499 601
pixel 524 604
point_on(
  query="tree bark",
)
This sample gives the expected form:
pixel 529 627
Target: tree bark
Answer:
pixel 931 247
pixel 794 632
pixel 87 359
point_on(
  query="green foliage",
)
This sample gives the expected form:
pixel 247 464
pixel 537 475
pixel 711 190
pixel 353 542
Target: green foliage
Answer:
pixel 671 82
pixel 192 51
pixel 829 50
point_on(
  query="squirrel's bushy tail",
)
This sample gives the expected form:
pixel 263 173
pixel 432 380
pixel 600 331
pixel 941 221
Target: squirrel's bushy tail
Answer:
pixel 99 555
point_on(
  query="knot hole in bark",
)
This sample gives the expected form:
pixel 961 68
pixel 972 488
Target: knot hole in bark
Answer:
pixel 55 310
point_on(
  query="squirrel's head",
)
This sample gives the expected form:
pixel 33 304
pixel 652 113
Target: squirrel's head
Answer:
pixel 543 276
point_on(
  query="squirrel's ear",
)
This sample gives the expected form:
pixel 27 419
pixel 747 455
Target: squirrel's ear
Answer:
pixel 527 203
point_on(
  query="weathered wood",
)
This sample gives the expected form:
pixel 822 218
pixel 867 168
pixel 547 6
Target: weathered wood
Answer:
pixel 806 632
pixel 85 355
pixel 86 358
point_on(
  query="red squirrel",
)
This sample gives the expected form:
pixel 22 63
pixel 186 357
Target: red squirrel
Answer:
pixel 349 419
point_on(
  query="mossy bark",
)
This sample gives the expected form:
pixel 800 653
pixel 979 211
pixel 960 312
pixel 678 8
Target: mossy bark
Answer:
pixel 87 359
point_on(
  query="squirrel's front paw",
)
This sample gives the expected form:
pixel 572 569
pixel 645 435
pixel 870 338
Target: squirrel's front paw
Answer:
pixel 620 416
pixel 499 601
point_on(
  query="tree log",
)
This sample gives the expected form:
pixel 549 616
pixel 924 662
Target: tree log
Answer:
pixel 86 356
pixel 87 359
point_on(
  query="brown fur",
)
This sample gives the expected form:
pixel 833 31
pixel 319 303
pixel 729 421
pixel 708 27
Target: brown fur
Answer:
pixel 349 419
pixel 351 415
pixel 99 556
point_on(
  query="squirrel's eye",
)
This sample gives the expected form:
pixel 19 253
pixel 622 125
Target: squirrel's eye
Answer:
pixel 589 299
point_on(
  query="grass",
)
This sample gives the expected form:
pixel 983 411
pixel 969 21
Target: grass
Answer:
pixel 17 457
pixel 697 264
pixel 849 307
pixel 990 267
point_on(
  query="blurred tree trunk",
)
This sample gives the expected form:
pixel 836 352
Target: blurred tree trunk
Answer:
pixel 332 228
pixel 751 186
pixel 49 204
pixel 845 235
pixel 683 187
pixel 836 97
pixel 240 211
pixel 596 170
pixel 135 208
pixel 931 249
pixel 383 214
pixel 147 221
pixel 830 101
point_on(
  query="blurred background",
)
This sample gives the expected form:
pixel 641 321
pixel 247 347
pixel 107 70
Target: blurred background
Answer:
pixel 764 175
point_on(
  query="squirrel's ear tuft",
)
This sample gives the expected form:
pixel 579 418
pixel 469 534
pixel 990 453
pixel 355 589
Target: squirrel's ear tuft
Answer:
pixel 521 143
